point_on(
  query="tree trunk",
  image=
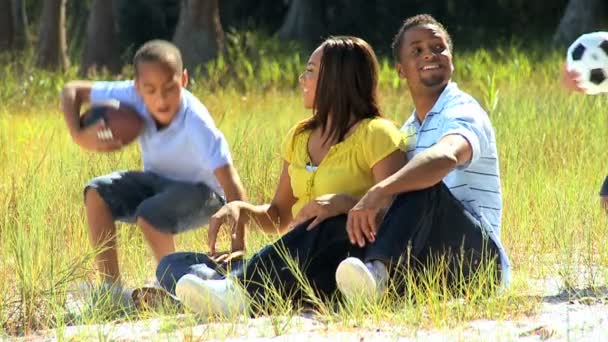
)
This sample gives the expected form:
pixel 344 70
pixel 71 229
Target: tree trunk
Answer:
pixel 305 22
pixel 101 44
pixel 52 46
pixel 7 35
pixel 580 16
pixel 199 34
pixel 21 40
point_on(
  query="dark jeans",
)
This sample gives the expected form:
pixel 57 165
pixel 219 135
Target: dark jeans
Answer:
pixel 170 206
pixel 176 265
pixel 426 227
pixel 317 253
pixel 420 224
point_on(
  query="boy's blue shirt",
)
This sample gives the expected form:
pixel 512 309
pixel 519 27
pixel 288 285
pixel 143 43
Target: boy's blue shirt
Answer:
pixel 189 149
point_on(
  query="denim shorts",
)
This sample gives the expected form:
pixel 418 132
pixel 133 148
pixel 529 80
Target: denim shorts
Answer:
pixel 169 206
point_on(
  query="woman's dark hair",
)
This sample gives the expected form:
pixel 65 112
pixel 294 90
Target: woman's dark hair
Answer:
pixel 346 86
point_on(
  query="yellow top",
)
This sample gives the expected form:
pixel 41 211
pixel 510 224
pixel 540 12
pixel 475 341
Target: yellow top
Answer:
pixel 347 167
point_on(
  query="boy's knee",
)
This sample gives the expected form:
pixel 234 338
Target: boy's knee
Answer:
pixel 152 217
pixel 92 196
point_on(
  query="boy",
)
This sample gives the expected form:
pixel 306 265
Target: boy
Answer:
pixel 187 164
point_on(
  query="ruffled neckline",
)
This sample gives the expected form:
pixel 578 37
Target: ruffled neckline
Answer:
pixel 347 144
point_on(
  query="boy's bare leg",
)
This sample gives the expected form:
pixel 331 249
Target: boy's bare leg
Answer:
pixel 162 244
pixel 102 234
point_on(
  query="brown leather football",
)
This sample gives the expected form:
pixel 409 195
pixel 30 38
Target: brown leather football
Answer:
pixel 124 122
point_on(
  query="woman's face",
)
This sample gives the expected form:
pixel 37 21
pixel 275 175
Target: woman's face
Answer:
pixel 308 79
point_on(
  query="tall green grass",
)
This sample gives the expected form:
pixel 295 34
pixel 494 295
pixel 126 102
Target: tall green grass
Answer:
pixel 552 165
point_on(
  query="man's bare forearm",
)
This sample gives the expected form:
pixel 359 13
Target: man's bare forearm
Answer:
pixel 423 171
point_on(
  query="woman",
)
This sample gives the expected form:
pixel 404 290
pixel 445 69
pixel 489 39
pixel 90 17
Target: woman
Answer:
pixel 329 161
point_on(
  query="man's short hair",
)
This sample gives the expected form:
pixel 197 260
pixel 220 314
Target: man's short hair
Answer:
pixel 416 21
pixel 159 51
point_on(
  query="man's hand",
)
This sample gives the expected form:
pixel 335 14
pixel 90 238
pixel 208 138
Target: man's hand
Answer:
pixel 229 214
pixel 322 208
pixel 604 203
pixel 96 137
pixel 571 79
pixel 364 216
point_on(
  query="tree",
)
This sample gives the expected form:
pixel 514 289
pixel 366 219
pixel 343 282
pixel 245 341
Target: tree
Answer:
pixel 262 15
pixel 52 45
pixel 580 16
pixel 159 17
pixel 101 48
pixel 21 39
pixel 7 35
pixel 305 22
pixel 199 34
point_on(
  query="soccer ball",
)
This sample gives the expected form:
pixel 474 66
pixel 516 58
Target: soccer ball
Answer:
pixel 588 56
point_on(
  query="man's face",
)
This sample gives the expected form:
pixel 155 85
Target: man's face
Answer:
pixel 161 90
pixel 425 58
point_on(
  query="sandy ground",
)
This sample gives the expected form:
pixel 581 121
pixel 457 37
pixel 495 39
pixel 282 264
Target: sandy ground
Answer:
pixel 559 318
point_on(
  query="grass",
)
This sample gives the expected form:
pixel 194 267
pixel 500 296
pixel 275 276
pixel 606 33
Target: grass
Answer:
pixel 552 166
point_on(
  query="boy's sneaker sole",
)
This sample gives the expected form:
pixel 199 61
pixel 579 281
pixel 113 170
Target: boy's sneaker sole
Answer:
pixel 197 297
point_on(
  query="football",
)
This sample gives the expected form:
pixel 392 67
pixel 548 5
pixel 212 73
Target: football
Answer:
pixel 588 56
pixel 124 123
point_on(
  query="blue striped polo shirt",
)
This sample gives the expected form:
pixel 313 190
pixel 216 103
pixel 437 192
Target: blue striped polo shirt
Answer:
pixel 476 184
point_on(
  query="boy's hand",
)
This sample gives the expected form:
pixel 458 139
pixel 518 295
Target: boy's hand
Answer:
pixel 233 188
pixel 229 214
pixel 96 137
pixel 237 238
pixel 226 257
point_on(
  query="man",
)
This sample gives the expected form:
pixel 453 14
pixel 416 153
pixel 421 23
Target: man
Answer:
pixel 570 81
pixel 447 199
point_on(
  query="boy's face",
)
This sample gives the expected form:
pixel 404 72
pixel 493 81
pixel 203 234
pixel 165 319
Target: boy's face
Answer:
pixel 161 90
pixel 425 58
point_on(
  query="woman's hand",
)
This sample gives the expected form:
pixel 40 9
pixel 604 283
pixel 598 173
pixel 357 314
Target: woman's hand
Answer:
pixel 229 214
pixel 322 208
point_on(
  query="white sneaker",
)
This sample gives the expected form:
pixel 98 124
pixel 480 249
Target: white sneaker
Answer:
pixel 204 272
pixel 358 280
pixel 92 295
pixel 212 297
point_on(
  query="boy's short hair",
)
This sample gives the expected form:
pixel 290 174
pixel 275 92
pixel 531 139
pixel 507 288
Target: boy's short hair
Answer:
pixel 159 51
pixel 415 21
